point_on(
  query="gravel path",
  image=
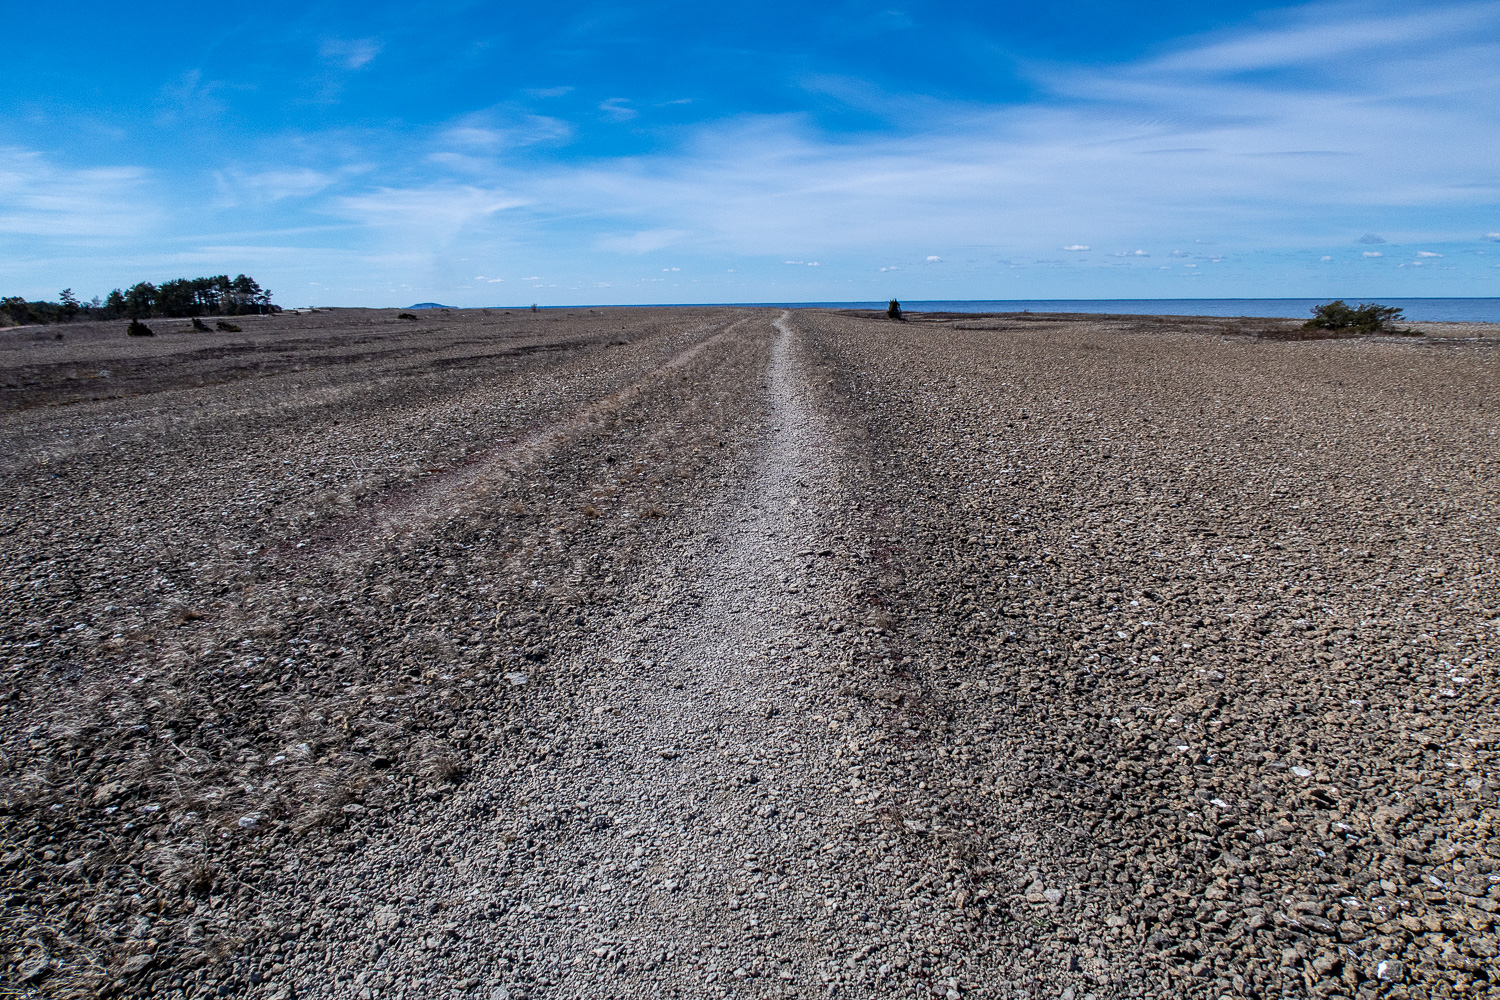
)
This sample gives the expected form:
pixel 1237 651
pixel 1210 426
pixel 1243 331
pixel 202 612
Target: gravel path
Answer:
pixel 678 822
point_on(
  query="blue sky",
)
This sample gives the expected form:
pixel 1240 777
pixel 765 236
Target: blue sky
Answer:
pixel 484 154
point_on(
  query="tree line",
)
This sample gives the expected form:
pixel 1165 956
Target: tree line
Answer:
pixel 220 295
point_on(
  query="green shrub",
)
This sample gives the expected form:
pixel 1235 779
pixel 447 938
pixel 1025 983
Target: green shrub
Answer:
pixel 139 329
pixel 227 327
pixel 200 326
pixel 1364 318
pixel 893 310
pixel 406 315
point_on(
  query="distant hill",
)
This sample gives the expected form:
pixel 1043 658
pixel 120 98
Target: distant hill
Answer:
pixel 429 305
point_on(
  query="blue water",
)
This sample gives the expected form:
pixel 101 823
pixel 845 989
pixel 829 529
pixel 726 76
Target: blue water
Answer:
pixel 1429 310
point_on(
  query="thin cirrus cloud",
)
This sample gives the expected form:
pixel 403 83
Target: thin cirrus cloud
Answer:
pixel 618 108
pixel 41 198
pixel 350 53
pixel 432 216
pixel 642 242
pixel 273 185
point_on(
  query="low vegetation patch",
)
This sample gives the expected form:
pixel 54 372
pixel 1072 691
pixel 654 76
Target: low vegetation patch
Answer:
pixel 139 329
pixel 1367 317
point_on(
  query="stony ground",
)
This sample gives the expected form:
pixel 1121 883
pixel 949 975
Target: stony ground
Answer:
pixel 731 652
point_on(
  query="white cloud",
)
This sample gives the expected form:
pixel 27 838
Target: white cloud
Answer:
pixel 1132 253
pixel 350 53
pixel 494 130
pixel 1076 246
pixel 41 198
pixel 1325 257
pixel 642 242
pixel 1373 253
pixel 618 108
pixel 274 185
pixel 425 220
pixel 1492 236
pixel 1427 253
pixel 1314 37
pixel 1370 238
pixel 934 259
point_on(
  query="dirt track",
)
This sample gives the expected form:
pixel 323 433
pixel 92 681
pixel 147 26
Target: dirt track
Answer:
pixel 725 652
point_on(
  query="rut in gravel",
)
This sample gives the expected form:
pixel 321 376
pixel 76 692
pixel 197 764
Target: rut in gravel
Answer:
pixel 401 512
pixel 681 821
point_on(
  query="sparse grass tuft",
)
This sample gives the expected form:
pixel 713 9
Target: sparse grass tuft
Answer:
pixel 444 769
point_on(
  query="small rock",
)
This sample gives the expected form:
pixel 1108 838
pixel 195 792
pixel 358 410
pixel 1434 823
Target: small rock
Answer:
pixel 34 968
pixel 517 679
pixel 249 821
pixel 136 963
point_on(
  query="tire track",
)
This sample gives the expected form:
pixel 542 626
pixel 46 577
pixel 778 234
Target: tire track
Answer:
pixel 412 509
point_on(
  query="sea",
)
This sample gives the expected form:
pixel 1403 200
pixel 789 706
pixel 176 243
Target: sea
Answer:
pixel 1417 310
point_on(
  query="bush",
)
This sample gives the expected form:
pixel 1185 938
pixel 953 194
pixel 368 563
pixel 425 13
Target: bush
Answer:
pixel 894 310
pixel 139 329
pixel 406 315
pixel 227 327
pixel 1364 318
pixel 200 326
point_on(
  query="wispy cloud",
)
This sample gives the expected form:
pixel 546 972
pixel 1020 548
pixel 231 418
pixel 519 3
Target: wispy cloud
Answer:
pixel 41 198
pixel 350 53
pixel 273 185
pixel 1324 33
pixel 618 108
pixel 426 219
pixel 498 129
pixel 642 242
